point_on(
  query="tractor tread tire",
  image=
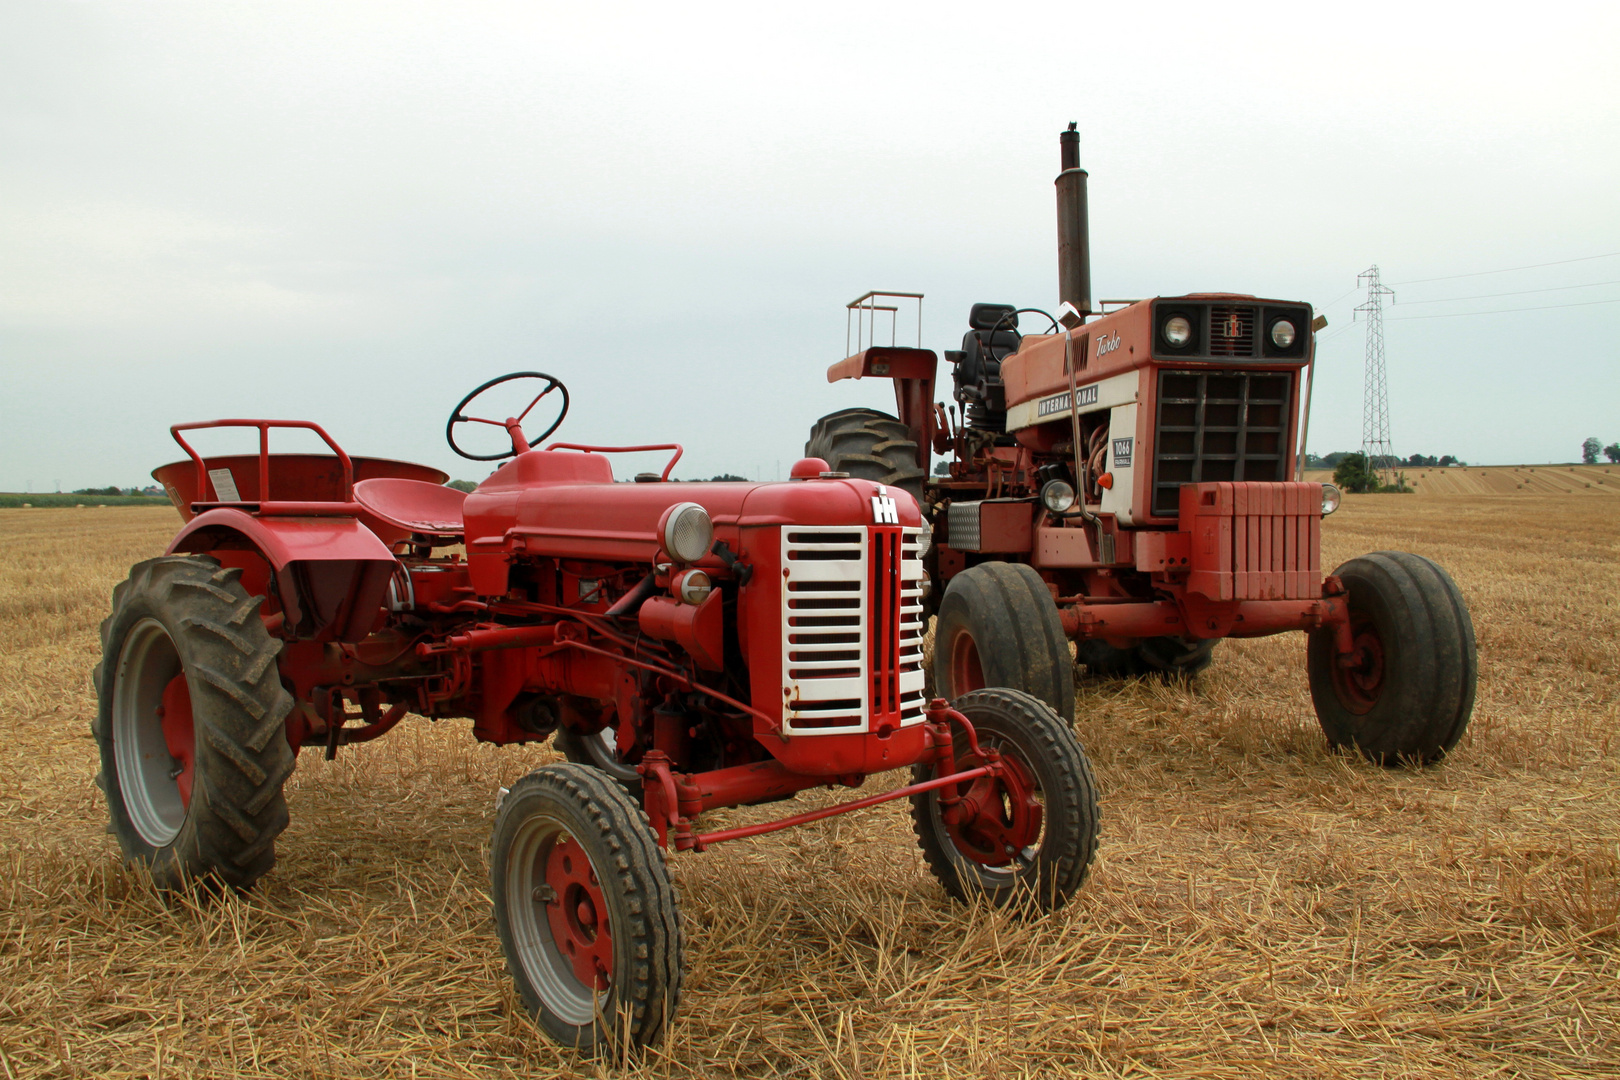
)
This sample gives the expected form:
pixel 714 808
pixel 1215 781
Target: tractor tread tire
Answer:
pixel 1432 662
pixel 239 712
pixel 871 445
pixel 649 921
pixel 1070 787
pixel 1009 612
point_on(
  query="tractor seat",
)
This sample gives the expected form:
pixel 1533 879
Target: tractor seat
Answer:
pixel 414 505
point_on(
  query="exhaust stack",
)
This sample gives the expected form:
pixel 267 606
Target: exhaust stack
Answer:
pixel 1074 234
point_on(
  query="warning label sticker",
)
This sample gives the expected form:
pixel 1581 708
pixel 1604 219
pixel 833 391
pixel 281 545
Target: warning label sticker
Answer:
pixel 224 485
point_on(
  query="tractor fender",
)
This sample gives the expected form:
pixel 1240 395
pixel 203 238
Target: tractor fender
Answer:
pixel 331 573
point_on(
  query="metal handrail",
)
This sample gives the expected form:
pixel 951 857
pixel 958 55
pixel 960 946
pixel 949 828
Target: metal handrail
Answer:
pixel 264 427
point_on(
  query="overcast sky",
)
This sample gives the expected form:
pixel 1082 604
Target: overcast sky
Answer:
pixel 355 213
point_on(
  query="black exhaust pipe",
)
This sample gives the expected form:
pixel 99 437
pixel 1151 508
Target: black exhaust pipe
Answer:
pixel 1074 234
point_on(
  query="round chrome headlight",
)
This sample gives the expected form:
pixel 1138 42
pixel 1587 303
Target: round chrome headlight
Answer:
pixel 1331 498
pixel 926 539
pixel 1177 331
pixel 688 532
pixel 694 587
pixel 1057 495
pixel 1282 333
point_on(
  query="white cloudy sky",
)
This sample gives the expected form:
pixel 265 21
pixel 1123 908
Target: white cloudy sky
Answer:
pixel 352 213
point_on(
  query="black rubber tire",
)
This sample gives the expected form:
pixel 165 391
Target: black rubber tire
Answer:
pixel 1425 696
pixel 871 445
pixel 1177 658
pixel 1105 661
pixel 643 915
pixel 595 751
pixel 1023 727
pixel 188 614
pixel 1007 614
pixel 1173 658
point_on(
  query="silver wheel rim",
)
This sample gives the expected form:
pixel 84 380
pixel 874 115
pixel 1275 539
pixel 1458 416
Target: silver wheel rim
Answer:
pixel 547 969
pixel 146 771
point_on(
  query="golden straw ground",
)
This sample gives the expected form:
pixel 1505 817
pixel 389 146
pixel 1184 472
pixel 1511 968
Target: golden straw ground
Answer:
pixel 1259 907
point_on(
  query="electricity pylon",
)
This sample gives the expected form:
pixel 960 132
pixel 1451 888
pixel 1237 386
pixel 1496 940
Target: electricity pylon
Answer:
pixel 1375 441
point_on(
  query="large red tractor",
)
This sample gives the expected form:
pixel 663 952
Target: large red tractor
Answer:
pixel 690 645
pixel 1127 480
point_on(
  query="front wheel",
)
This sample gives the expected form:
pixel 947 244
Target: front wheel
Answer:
pixel 998 626
pixel 1406 691
pixel 586 910
pixel 1031 830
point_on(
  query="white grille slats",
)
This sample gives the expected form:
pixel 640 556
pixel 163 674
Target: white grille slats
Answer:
pixel 828 639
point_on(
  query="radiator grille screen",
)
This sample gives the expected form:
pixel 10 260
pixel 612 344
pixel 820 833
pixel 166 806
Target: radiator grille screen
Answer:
pixel 852 629
pixel 1218 425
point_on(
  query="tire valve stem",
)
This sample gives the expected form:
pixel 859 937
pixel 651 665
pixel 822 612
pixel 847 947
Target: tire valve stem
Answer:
pixel 179 767
pixel 544 894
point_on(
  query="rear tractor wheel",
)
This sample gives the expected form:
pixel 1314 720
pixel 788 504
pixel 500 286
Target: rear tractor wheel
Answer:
pixel 871 445
pixel 191 724
pixel 1034 828
pixel 586 910
pixel 1405 693
pixel 998 626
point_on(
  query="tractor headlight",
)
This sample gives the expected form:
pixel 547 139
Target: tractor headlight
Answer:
pixel 1331 498
pixel 687 532
pixel 925 538
pixel 1177 331
pixel 693 587
pixel 1283 333
pixel 1057 495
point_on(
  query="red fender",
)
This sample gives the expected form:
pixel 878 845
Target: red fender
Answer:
pixel 332 572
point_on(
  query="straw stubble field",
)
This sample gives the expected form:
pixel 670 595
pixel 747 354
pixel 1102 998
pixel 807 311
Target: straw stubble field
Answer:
pixel 1259 906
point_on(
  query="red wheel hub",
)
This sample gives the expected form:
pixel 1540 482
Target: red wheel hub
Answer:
pixel 966 671
pixel 179 734
pixel 577 912
pixel 1359 676
pixel 998 816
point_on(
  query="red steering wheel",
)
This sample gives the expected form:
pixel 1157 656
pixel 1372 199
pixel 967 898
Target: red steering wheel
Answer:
pixel 513 425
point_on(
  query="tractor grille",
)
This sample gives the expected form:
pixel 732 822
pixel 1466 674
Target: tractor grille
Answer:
pixel 1231 330
pixel 852 628
pixel 1218 425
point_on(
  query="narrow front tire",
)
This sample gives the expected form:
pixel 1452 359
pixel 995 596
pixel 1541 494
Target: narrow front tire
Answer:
pixel 586 911
pixel 1031 831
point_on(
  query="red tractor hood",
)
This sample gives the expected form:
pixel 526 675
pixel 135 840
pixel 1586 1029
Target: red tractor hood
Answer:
pixel 566 504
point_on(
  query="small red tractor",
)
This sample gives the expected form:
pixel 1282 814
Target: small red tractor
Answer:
pixel 1128 480
pixel 690 645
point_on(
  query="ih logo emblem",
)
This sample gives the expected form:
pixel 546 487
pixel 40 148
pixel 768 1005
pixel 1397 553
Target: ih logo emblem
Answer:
pixel 884 512
pixel 1234 326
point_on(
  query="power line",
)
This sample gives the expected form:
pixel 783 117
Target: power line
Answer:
pixel 1502 311
pixel 1354 288
pixel 1516 292
pixel 1509 269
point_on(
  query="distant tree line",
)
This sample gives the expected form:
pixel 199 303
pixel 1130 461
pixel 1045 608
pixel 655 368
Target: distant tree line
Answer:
pixel 1385 461
pixel 1353 474
pixel 1593 446
pixel 143 489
